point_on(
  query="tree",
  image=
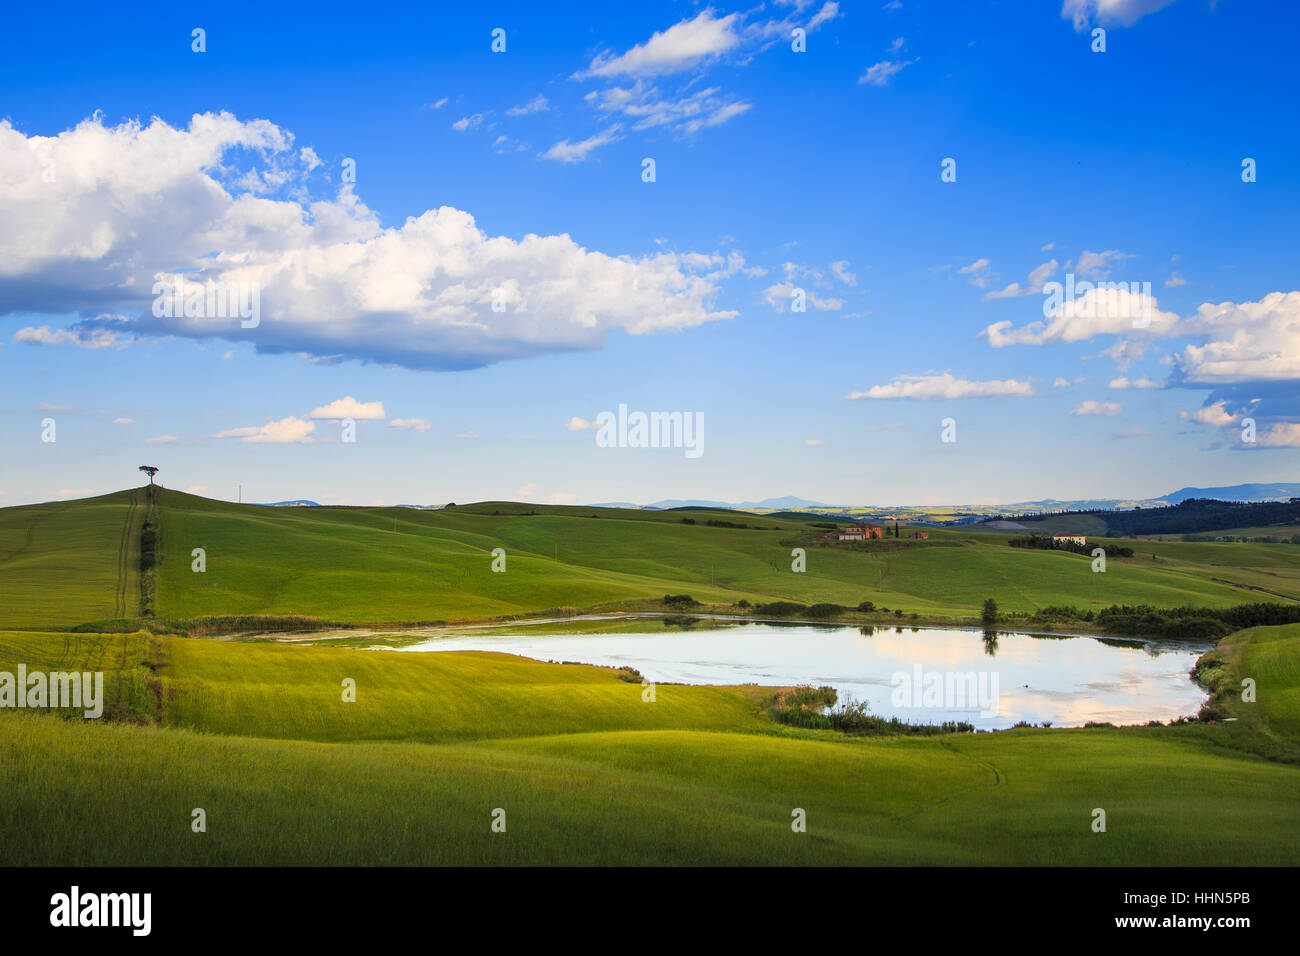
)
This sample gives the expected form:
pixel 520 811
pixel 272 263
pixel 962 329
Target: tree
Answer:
pixel 990 613
pixel 150 470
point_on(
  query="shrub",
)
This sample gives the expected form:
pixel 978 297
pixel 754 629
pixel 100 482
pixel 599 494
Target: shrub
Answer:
pixel 824 610
pixel 780 608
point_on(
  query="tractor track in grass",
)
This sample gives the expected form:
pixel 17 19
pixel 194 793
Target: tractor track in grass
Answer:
pixel 992 768
pixel 124 557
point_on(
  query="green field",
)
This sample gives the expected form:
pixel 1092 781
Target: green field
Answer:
pixel 260 737
pixel 587 772
pixel 70 563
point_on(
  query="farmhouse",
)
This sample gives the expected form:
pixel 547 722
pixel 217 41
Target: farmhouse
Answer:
pixel 1061 538
pixel 861 532
pixel 919 534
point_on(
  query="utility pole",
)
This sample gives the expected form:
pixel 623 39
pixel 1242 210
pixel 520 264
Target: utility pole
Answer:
pixel 241 494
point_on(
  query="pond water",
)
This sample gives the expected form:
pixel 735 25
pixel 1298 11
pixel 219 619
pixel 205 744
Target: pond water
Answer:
pixel 921 675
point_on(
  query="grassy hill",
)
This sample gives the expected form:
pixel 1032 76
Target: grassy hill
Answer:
pixel 260 737
pixel 67 563
pixel 587 772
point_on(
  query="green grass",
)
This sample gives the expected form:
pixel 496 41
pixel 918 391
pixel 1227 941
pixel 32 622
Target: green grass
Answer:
pixel 64 564
pixel 258 735
pixel 587 772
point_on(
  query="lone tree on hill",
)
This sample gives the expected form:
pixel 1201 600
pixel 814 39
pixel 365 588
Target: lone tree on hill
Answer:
pixel 149 470
pixel 990 613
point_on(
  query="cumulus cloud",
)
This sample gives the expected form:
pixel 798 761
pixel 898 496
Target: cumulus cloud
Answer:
pixel 135 204
pixel 1248 341
pixel 1281 435
pixel 411 424
pixel 286 431
pixel 1097 408
pixel 945 386
pixel 1108 13
pixel 680 47
pixel 576 424
pixel 1122 382
pixel 1096 312
pixel 349 407
pixel 1216 415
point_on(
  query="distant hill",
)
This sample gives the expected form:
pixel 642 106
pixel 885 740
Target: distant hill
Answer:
pixel 1191 516
pixel 786 501
pixel 1273 491
pixel 299 503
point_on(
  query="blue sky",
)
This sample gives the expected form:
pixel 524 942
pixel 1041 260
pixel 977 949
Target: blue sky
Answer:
pixel 127 156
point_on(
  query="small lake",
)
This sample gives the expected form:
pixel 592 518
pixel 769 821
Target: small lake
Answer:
pixel 920 675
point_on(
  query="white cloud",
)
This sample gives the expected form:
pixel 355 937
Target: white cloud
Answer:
pixel 680 47
pixel 1250 341
pixel 978 271
pixel 538 104
pixel 349 407
pixel 1033 285
pixel 779 297
pixel 1109 12
pixel 1281 435
pixel 162 440
pixel 124 421
pixel 1216 415
pixel 576 424
pixel 879 74
pixel 1066 382
pixel 945 386
pixel 468 123
pixel 813 442
pixel 1123 382
pixel 82 338
pixel 645 107
pixel 1095 312
pixel 436 104
pixel 1174 281
pixel 134 203
pixel 1097 408
pixel 411 424
pixel 467 435
pixel 1097 265
pixel 841 270
pixel 286 431
pixel 567 152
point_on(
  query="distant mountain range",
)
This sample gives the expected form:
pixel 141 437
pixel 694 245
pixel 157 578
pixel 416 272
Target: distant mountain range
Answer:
pixel 1258 491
